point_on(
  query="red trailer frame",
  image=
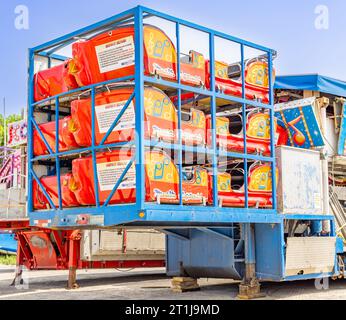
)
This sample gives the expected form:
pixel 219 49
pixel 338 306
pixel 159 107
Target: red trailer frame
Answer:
pixel 45 249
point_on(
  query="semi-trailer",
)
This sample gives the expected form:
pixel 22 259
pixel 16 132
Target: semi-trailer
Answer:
pixel 155 122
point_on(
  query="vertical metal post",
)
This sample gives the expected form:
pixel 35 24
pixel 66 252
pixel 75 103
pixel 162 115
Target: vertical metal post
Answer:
pixel 213 117
pixel 139 117
pixel 272 127
pixel 332 228
pixel 49 64
pixel 250 287
pixel 93 138
pixel 73 258
pixel 246 188
pixel 57 159
pixel 5 124
pixel 180 153
pixel 30 127
pixel 316 227
pixel 14 178
pixel 19 262
pixel 325 171
pixel 249 236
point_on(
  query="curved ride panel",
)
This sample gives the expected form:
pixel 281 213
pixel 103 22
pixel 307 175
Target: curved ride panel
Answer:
pixel 259 186
pixel 160 118
pixel 257 134
pixel 162 182
pixel 256 80
pixel 53 81
pixel 50 184
pixel 48 130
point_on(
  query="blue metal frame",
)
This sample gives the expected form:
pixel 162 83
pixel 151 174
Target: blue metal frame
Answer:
pixel 139 94
pixel 142 212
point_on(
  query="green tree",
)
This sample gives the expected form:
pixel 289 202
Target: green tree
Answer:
pixel 10 119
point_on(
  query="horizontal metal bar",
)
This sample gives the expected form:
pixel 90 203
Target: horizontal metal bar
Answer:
pixel 110 27
pixel 307 217
pixel 210 215
pixel 245 156
pixel 13 175
pixel 68 217
pixel 309 276
pixel 207 30
pixel 171 208
pixel 75 211
pixel 129 13
pixel 207 93
pixel 206 150
pixel 52 56
pixel 161 82
pixel 84 150
pixel 166 145
pixel 100 84
pixel 243 101
pixel 175 85
pixel 122 215
pixel 79 33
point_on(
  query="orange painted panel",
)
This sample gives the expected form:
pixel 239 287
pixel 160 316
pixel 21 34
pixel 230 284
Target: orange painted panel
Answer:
pixel 160 115
pixel 53 81
pixel 256 81
pixel 162 180
pixel 260 189
pixel 66 138
pixel 51 186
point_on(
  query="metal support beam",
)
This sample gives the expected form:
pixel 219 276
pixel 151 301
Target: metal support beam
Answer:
pixel 19 265
pixel 250 288
pixel 73 259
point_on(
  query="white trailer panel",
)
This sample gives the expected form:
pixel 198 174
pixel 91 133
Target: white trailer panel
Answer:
pixel 300 181
pixel 122 244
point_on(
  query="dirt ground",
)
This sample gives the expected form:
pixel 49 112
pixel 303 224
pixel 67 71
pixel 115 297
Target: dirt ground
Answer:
pixel 147 284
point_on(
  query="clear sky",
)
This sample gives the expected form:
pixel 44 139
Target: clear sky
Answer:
pixel 286 26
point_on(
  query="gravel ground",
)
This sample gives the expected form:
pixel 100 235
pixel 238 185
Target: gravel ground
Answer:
pixel 147 284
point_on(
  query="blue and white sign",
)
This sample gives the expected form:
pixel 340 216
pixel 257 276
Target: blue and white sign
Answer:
pixel 301 123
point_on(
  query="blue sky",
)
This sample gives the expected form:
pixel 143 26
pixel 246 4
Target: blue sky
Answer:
pixel 286 26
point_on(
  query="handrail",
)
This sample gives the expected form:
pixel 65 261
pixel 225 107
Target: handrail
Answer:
pixel 12 175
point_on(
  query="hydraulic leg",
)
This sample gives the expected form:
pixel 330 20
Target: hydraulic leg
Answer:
pixel 74 252
pixel 19 262
pixel 250 288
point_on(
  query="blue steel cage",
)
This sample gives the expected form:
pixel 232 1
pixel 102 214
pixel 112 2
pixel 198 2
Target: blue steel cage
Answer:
pixel 141 212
